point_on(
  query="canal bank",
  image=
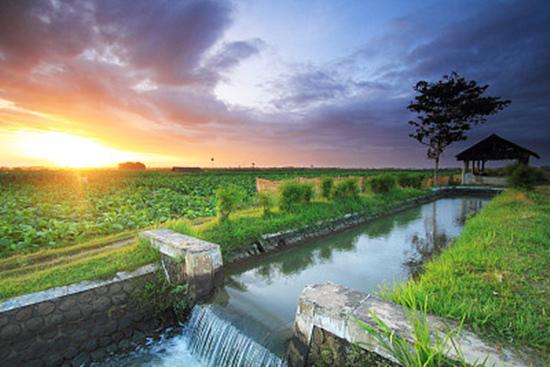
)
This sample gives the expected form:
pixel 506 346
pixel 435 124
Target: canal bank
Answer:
pixel 269 343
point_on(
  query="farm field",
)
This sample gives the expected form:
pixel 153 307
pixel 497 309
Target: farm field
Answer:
pixel 55 208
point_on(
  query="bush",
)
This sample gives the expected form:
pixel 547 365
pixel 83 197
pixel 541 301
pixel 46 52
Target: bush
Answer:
pixel 382 184
pixel 326 187
pixel 521 176
pixel 228 199
pixel 413 180
pixel 265 201
pixel 346 190
pixel 294 194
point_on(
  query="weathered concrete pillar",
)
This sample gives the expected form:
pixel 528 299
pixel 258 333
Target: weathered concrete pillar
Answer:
pixel 338 310
pixel 188 259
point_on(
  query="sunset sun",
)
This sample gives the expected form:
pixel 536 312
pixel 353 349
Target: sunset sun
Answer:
pixel 67 150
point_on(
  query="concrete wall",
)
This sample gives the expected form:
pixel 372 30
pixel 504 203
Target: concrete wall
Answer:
pixel 336 310
pixel 79 323
pixel 470 179
pixel 273 241
pixel 88 321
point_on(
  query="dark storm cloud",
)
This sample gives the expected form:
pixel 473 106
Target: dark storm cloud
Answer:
pixel 507 45
pixel 63 56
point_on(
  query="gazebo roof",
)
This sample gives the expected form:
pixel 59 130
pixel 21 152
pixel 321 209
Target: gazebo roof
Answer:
pixel 494 148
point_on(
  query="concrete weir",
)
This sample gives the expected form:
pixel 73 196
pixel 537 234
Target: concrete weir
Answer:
pixel 336 310
pixel 188 259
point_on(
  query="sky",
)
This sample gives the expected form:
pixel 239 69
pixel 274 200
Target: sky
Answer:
pixel 274 83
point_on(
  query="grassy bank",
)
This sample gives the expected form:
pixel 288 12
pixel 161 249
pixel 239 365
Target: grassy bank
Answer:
pixel 242 230
pixel 496 275
pixel 100 266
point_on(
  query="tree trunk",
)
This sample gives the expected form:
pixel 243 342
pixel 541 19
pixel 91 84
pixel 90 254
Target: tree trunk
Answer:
pixel 436 169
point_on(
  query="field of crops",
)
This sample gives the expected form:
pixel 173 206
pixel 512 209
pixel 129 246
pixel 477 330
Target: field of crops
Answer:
pixel 54 208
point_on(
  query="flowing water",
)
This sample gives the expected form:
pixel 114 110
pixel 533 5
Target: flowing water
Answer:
pixel 248 322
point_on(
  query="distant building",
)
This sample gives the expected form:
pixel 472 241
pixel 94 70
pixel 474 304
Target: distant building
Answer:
pixel 186 169
pixel 131 166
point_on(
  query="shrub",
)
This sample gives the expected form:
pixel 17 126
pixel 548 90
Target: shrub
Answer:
pixel 521 176
pixel 346 190
pixel 326 187
pixel 413 180
pixel 228 199
pixel 453 181
pixel 382 184
pixel 265 201
pixel 294 194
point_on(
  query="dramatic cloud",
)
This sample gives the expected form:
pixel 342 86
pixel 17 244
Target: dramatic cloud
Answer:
pixel 147 71
pixel 506 46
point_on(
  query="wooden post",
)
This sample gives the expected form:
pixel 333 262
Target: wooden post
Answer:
pixel 464 169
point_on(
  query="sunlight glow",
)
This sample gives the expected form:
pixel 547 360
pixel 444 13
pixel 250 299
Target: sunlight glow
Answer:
pixel 67 150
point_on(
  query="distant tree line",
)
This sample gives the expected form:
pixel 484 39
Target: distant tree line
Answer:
pixel 132 166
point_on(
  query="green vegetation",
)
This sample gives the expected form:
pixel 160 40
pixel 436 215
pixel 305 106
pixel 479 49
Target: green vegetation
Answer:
pixel 57 208
pixel 64 263
pixel 413 180
pixel 382 184
pixel 100 266
pixel 245 229
pixel 266 202
pixel 429 347
pixel 294 195
pixel 496 274
pixel 228 199
pixel 521 176
pixel 347 189
pixel 164 296
pixel 326 187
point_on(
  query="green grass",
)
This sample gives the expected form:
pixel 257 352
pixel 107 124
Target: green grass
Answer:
pixel 242 230
pixel 102 266
pixel 496 275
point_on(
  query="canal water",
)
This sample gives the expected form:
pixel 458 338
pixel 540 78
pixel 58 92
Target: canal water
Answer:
pixel 248 322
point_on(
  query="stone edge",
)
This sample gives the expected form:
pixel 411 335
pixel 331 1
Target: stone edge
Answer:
pixel 57 292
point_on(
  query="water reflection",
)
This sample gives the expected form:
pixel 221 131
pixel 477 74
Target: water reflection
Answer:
pixel 264 291
pixel 258 302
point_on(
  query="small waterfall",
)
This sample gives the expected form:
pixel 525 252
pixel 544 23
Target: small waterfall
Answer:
pixel 218 343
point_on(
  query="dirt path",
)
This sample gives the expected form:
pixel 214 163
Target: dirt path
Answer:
pixel 41 265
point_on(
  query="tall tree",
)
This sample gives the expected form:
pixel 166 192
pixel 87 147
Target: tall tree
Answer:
pixel 447 109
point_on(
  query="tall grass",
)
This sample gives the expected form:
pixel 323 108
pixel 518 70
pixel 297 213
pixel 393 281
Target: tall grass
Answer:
pixel 425 347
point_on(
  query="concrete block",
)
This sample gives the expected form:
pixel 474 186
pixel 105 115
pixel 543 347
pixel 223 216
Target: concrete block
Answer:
pixel 338 311
pixel 188 259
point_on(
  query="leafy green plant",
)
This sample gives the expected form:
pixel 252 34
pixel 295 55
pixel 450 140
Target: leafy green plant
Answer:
pixel 228 199
pixel 347 189
pixel 413 180
pixel 428 346
pixel 522 176
pixel 266 202
pixel 294 195
pixel 382 184
pixel 162 296
pixel 326 187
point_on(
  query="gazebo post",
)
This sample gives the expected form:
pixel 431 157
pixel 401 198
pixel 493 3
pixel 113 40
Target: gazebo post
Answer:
pixel 464 169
